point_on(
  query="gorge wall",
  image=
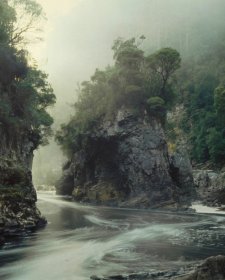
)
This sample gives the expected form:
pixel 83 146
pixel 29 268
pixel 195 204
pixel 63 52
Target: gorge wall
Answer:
pixel 18 212
pixel 126 163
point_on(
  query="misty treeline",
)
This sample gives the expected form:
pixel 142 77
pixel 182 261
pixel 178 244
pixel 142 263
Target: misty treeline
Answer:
pixel 201 83
pixel 24 90
pixel 142 84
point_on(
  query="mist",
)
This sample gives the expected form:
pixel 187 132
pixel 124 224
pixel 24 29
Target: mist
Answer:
pixel 78 38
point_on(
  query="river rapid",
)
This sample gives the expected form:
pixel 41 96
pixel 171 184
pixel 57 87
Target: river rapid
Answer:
pixel 81 241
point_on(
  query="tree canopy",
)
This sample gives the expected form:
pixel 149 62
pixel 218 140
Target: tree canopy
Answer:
pixel 17 18
pixel 138 82
pixel 25 92
pixel 202 86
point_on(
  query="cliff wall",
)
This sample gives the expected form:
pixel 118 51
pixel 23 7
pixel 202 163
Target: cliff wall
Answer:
pixel 126 163
pixel 18 211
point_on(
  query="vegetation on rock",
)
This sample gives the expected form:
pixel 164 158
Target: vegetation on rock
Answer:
pixel 24 90
pixel 141 83
pixel 25 95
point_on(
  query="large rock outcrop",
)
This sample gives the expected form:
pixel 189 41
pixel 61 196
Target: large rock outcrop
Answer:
pixel 18 211
pixel 126 163
pixel 210 187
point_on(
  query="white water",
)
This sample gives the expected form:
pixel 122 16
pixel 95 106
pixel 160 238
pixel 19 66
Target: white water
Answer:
pixel 81 241
pixel 199 208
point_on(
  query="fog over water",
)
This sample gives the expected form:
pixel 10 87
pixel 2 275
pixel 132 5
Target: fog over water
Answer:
pixel 79 34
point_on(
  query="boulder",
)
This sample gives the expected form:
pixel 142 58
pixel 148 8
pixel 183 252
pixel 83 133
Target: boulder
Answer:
pixel 212 268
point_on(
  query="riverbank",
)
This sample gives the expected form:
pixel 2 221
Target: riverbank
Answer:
pixel 19 215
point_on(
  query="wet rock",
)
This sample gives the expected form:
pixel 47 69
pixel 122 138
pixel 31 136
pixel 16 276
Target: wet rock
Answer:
pixel 212 268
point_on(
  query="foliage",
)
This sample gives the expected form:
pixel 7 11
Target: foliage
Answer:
pixel 25 92
pixel 164 63
pixel 133 82
pixel 156 106
pixel 18 17
pixel 216 145
pixel 203 96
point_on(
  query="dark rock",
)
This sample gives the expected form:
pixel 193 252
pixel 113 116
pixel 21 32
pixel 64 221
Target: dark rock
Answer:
pixel 126 163
pixel 67 181
pixel 210 187
pixel 212 268
pixel 18 212
pixel 181 171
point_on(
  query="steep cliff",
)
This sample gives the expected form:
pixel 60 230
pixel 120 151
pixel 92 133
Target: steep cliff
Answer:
pixel 126 163
pixel 18 212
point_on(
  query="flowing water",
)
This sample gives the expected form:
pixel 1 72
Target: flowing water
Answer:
pixel 80 241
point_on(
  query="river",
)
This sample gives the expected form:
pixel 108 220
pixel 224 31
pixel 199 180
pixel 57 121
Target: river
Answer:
pixel 80 241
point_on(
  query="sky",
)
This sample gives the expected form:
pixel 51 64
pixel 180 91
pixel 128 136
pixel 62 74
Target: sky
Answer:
pixel 78 35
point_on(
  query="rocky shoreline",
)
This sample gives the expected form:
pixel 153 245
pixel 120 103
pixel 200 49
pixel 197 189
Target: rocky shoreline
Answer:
pixel 18 212
pixel 210 186
pixel 18 216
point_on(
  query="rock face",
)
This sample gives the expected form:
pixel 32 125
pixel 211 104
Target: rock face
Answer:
pixel 210 187
pixel 212 268
pixel 126 163
pixel 17 194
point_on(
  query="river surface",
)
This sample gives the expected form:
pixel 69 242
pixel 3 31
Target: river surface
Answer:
pixel 80 241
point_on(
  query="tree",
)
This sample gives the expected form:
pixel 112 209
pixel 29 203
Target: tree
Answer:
pixel 7 19
pixel 25 93
pixel 202 81
pixel 156 106
pixel 219 104
pixel 126 84
pixel 216 145
pixel 164 63
pixel 18 17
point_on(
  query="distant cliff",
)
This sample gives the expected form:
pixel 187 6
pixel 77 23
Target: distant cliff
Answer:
pixel 125 163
